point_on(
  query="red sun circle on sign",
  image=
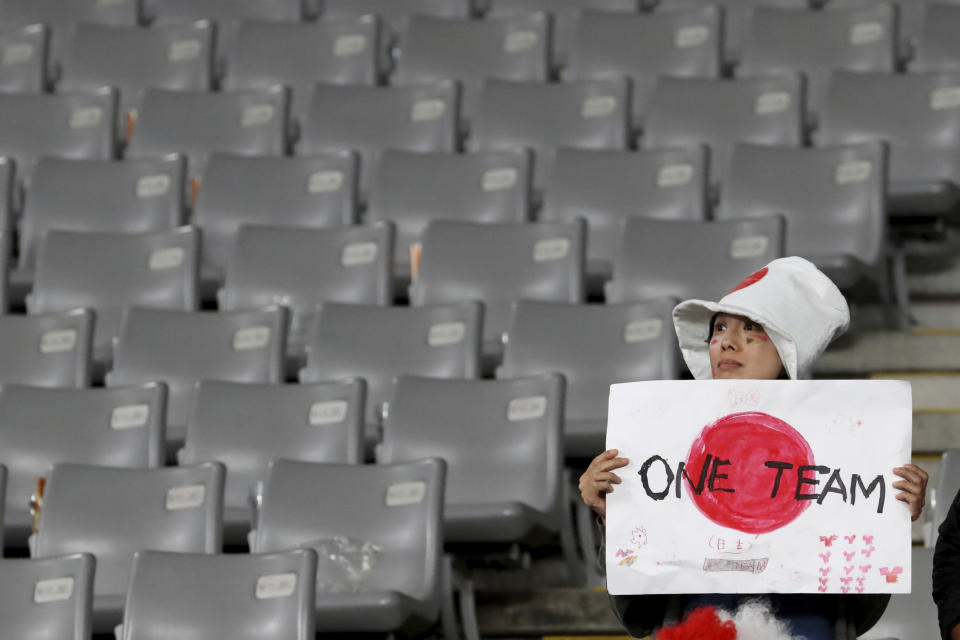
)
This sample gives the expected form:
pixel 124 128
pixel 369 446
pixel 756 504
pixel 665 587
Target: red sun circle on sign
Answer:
pixel 748 440
pixel 750 279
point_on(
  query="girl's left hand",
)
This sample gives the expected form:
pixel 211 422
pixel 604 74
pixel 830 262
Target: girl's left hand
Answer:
pixel 913 488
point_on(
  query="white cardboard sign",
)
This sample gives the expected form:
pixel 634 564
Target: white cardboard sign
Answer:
pixel 786 487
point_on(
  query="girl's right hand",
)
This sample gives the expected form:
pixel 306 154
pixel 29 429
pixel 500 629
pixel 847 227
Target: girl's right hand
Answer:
pixel 598 480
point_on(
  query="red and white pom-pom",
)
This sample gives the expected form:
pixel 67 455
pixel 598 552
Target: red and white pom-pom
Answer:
pixel 702 624
pixel 753 620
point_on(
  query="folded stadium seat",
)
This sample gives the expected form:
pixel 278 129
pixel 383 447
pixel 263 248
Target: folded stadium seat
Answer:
pixel 244 426
pixel 251 122
pixel 914 614
pixel 653 256
pixel 593 346
pixel 346 50
pixel 80 125
pixel 5 242
pixel 383 521
pixel 685 42
pixel 411 189
pixel 489 497
pixel 8 194
pixel 736 18
pixel 113 513
pixel 565 14
pixel 301 268
pixel 3 486
pixel 306 191
pixel 370 120
pixel 760 110
pixel 136 195
pixel 49 350
pixel 107 272
pixel 937 47
pixel 396 13
pixel 948 484
pixel 132 59
pixel 117 427
pixel 606 187
pixel 24 66
pixel 498 264
pixel 910 19
pixel 264 596
pixel 47 597
pixel 589 114
pixel 379 343
pixel 918 115
pixel 182 348
pixel 814 43
pixel 469 51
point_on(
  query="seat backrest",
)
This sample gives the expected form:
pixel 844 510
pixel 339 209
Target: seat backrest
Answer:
pixel 948 487
pixel 606 187
pixel 39 427
pixel 380 343
pixel 47 597
pixel 182 348
pixel 937 48
pixel 653 257
pixel 166 11
pixel 857 38
pixel 93 195
pixel 412 189
pixel 197 123
pixel 76 124
pixel 174 57
pixel 306 191
pixel 370 120
pixel 5 260
pixel 3 497
pixel 500 263
pixel 301 268
pixel 262 596
pixel 761 110
pixel 49 350
pixel 56 12
pixel 397 507
pixel 593 346
pixel 591 114
pixel 397 12
pixel 469 423
pixel 24 59
pixel 245 426
pixel 832 198
pixel 113 513
pixel 917 114
pixel 8 189
pixel 685 42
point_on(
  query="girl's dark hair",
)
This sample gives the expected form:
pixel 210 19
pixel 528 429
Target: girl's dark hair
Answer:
pixel 713 321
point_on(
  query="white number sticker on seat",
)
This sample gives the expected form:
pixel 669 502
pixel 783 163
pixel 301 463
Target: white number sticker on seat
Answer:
pixel 349 45
pixel 674 175
pixel 153 185
pixel 325 182
pixel 598 106
pixel 129 416
pixel 551 249
pixel 853 171
pixel 276 585
pixel 689 37
pixel 517 41
pixel 332 412
pixel 770 103
pixel 181 50
pixel 643 330
pixel 499 179
pixel 17 54
pixel 427 110
pixel 53 590
pixel 526 408
pixel 866 33
pixel 169 258
pixel 406 493
pixel 748 247
pixel 58 341
pixel 85 117
pixel 186 497
pixel 257 115
pixel 445 333
pixel 945 98
pixel 359 253
pixel 251 338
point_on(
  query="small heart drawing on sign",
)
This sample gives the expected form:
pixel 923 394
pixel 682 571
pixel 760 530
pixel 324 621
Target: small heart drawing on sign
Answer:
pixel 846 580
pixel 848 569
pixel 823 581
pixel 821 588
pixel 861 579
pixel 845 589
pixel 860 589
pixel 825 557
pixel 868 539
pixel 824 570
pixel 827 540
pixel 867 551
pixel 849 555
pixel 866 567
pixel 850 539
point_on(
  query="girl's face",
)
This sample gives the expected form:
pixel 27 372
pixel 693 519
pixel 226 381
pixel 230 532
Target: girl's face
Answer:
pixel 741 349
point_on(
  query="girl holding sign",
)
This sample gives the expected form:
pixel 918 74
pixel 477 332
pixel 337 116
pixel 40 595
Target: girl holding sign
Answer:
pixel 772 325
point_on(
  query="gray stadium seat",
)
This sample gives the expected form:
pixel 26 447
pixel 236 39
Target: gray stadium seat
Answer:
pixel 642 47
pixel 113 513
pixel 108 272
pixel 910 615
pixel 565 14
pixel 5 242
pixel 251 122
pixel 761 110
pixel 182 348
pixel 653 256
pixel 856 38
pixel 263 596
pixel 370 120
pixel 81 125
pixel 3 486
pixel 948 484
pixel 118 427
pixel 593 346
pixel 606 187
pixel 590 114
pixel 132 59
pixel 411 189
pixel 910 19
pixel 918 115
pixel 498 264
pixel 167 11
pixel 937 48
pixel 306 191
pixel 8 194
pixel 245 426
pixel 47 597
pixel 136 195
pixel 380 343
pixel 24 65
pixel 338 51
pixel 301 268
pixel 398 508
pixel 508 48
pixel 50 350
pixel 397 12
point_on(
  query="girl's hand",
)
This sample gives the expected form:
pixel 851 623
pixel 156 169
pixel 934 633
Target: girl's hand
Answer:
pixel 598 480
pixel 913 488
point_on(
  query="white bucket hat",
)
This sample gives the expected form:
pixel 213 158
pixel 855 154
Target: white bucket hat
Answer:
pixel 799 307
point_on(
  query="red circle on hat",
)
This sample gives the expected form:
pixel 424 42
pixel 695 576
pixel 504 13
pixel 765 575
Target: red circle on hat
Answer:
pixel 747 441
pixel 750 279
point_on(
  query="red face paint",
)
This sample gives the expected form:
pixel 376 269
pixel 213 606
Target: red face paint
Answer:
pixel 750 279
